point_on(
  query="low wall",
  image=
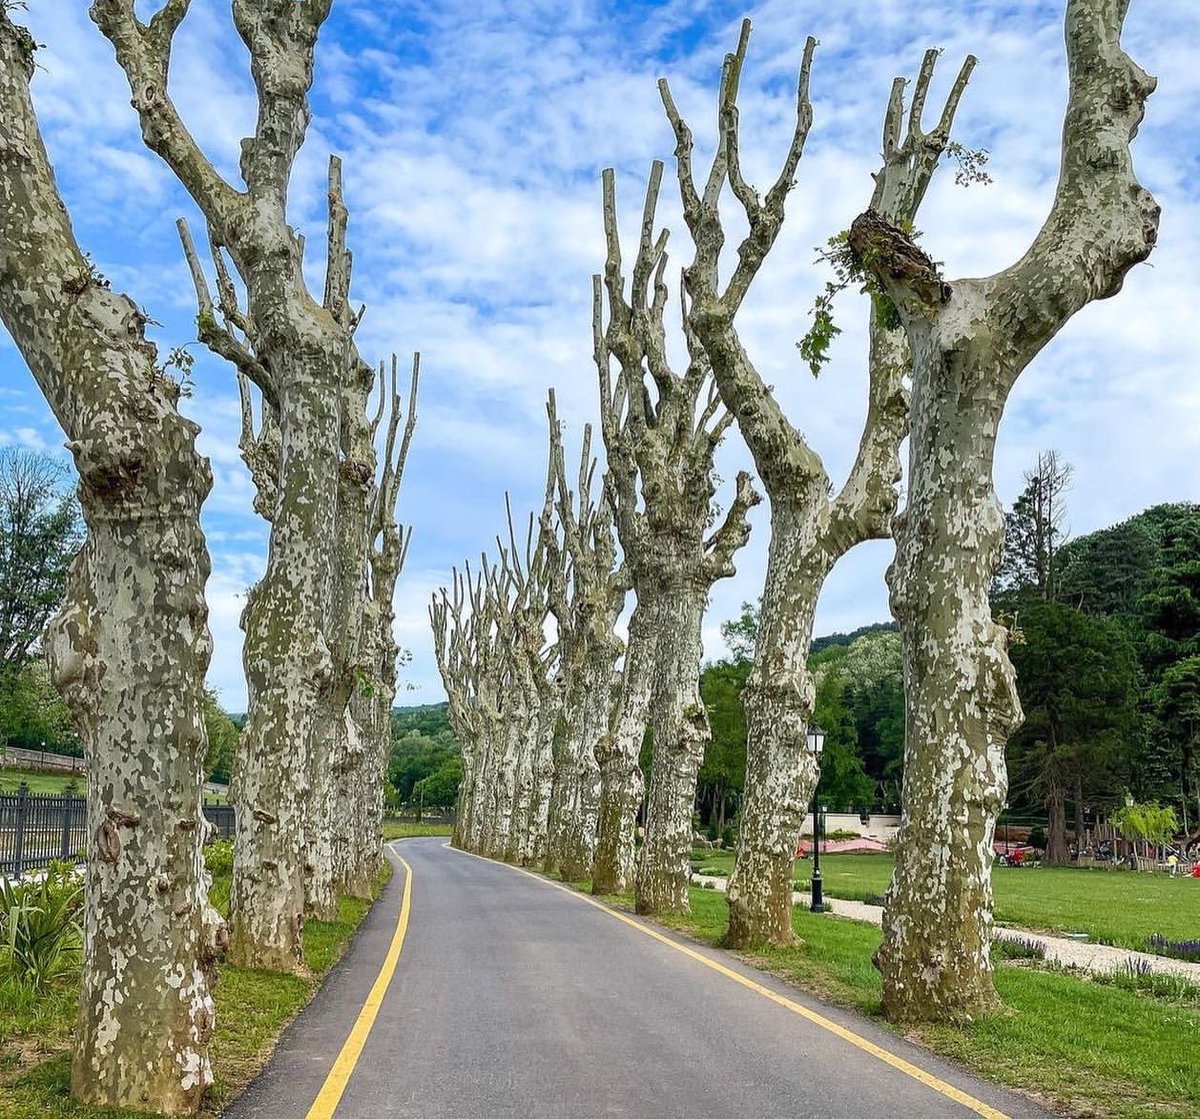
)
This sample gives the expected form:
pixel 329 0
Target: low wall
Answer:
pixel 877 826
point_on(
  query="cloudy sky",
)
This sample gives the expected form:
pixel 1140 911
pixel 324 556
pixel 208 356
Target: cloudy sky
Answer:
pixel 473 136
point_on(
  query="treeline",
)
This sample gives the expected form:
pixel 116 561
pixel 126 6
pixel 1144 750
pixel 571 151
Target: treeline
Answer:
pixel 1107 657
pixel 425 767
pixel 1107 653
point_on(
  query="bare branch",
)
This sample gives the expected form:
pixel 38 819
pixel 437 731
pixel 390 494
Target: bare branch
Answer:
pixel 144 53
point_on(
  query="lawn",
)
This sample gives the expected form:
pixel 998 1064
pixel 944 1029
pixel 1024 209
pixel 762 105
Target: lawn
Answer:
pixel 41 780
pixel 393 829
pixel 1114 906
pixel 252 1009
pixel 1094 1050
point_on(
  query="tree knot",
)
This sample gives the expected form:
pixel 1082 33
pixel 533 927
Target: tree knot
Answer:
pixel 892 255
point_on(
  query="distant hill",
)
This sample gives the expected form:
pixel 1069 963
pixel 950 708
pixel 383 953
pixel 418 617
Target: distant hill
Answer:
pixel 425 718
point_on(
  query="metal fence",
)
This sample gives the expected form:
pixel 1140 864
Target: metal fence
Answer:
pixel 38 828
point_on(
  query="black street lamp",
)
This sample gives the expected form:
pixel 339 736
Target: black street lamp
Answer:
pixel 816 743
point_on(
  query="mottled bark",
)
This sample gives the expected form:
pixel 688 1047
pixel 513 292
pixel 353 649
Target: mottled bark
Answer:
pixel 661 429
pixel 130 647
pixel 680 729
pixel 970 340
pixel 586 607
pixel 617 751
pixel 810 527
pixel 299 351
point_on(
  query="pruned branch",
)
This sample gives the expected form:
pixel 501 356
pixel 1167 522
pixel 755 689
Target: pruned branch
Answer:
pixel 734 531
pixel 144 53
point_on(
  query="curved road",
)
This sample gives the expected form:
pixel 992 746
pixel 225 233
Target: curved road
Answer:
pixel 513 998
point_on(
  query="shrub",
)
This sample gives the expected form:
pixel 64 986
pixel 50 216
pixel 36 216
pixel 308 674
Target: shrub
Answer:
pixel 873 899
pixel 218 857
pixel 729 839
pixel 1179 949
pixel 1018 948
pixel 40 937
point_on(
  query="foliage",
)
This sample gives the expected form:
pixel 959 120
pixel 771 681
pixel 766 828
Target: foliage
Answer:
pixel 1077 677
pixel 440 788
pixel 33 715
pixel 1148 823
pixel 1179 949
pixel 741 633
pixel 223 735
pixel 40 935
pixel 723 771
pixel 39 536
pixel 848 270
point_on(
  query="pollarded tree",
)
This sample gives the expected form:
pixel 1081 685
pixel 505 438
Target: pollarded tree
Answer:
pixel 299 352
pixel 586 604
pixel 970 340
pixel 360 789
pixel 811 527
pixel 130 645
pixel 661 429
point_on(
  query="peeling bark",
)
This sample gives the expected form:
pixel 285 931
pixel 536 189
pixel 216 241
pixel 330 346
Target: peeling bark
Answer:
pixel 661 429
pixel 302 619
pixel 970 340
pixel 811 529
pixel 130 646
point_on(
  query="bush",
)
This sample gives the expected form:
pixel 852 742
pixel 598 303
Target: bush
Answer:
pixel 1037 838
pixel 1018 948
pixel 1179 949
pixel 218 857
pixel 40 938
pixel 729 839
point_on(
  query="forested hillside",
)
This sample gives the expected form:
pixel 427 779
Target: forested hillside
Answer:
pixel 1107 652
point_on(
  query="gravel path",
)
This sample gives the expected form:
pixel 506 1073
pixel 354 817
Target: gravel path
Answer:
pixel 1060 949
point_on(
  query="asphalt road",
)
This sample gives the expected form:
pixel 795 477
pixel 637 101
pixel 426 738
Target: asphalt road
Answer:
pixel 516 999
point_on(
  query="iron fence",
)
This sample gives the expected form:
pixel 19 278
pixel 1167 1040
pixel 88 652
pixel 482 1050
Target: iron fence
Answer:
pixel 37 829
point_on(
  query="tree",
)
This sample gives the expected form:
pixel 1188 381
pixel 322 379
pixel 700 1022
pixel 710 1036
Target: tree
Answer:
pixel 1033 530
pixel 970 339
pixel 723 773
pixel 223 734
pixel 1077 680
pixel 811 526
pixel 129 647
pixel 1150 823
pixel 312 458
pixel 586 607
pixel 1177 708
pixel 39 537
pixel 661 429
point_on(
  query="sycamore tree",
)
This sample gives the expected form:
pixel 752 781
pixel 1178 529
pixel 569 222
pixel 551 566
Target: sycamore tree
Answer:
pixel 970 339
pixel 129 646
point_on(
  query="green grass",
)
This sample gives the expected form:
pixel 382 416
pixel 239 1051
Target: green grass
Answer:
pixel 1095 1050
pixel 40 780
pixel 394 830
pixel 252 1008
pixel 1113 906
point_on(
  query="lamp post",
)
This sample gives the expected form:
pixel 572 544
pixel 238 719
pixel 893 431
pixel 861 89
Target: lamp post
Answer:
pixel 816 743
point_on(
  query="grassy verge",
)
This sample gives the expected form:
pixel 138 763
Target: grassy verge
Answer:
pixel 252 1009
pixel 1091 1049
pixel 41 780
pixel 395 830
pixel 1113 906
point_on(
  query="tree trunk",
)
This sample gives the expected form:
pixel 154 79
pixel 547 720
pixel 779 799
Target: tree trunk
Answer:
pixel 1056 831
pixel 131 644
pixel 781 772
pixel 617 752
pixel 679 724
pixel 288 665
pixel 960 697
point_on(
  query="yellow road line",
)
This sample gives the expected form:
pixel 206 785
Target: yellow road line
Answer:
pixel 339 1076
pixel 888 1058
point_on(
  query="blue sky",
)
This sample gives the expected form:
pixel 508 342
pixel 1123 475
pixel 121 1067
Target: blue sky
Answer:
pixel 473 136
